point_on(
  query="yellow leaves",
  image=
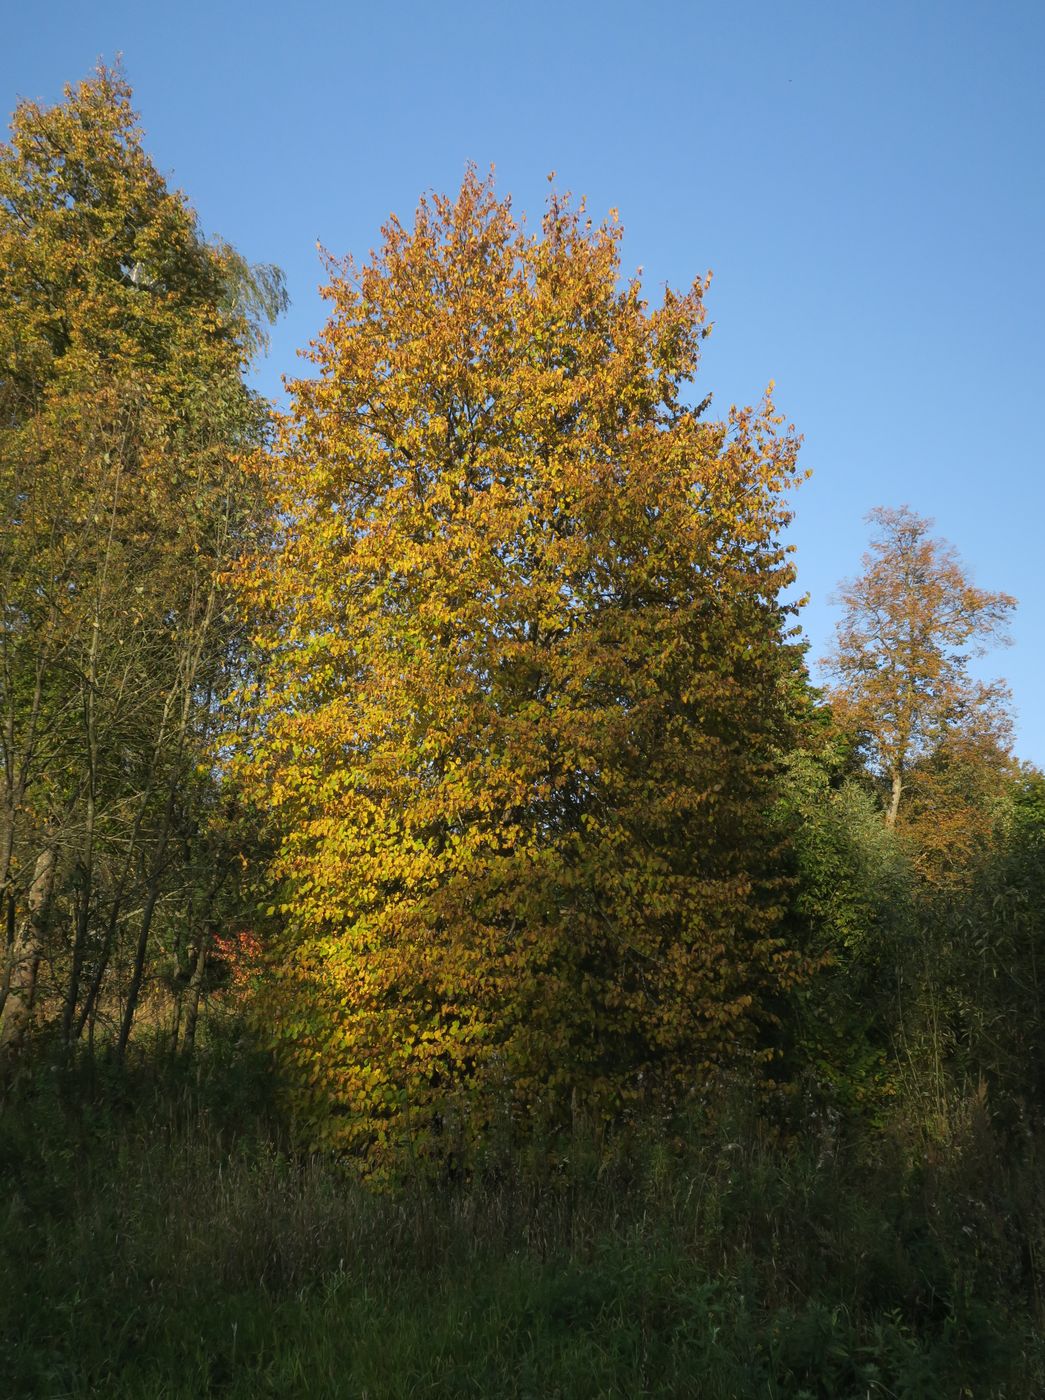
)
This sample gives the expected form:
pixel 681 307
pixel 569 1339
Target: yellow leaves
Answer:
pixel 524 655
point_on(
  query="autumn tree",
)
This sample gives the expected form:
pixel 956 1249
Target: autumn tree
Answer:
pixel 123 415
pixel 910 625
pixel 525 675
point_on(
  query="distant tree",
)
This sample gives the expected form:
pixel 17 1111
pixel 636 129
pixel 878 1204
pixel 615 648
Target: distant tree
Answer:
pixel 910 625
pixel 526 676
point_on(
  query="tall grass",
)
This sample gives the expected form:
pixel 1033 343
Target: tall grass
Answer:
pixel 160 1238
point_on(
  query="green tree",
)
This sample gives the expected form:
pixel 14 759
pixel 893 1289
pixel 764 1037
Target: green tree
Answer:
pixel 978 1017
pixel 852 912
pixel 123 417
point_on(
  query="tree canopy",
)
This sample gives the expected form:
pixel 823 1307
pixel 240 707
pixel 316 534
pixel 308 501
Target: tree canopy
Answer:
pixel 123 414
pixel 910 624
pixel 526 672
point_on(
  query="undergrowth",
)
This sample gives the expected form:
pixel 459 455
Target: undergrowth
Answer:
pixel 161 1238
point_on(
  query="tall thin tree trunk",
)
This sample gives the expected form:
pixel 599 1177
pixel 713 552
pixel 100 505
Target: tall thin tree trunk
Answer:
pixel 90 711
pixel 195 990
pixel 10 934
pixel 72 992
pixel 151 897
pixel 7 847
pixel 115 909
pixel 119 894
pixel 17 761
pixel 26 954
pixel 195 644
pixel 7 841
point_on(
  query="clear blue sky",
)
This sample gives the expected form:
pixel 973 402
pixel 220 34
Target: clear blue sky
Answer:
pixel 867 182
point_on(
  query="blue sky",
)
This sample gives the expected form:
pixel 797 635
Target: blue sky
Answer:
pixel 866 181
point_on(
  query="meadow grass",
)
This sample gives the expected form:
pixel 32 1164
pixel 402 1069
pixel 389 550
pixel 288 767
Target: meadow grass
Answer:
pixel 163 1239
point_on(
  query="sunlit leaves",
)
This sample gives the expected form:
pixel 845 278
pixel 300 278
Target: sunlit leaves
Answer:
pixel 910 625
pixel 123 418
pixel 524 669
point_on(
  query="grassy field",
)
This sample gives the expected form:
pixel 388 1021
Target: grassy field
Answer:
pixel 160 1239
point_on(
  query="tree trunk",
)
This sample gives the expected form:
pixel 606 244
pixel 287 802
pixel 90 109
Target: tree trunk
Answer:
pixel 195 990
pixel 894 799
pixel 26 954
pixel 91 748
pixel 151 897
pixel 7 847
pixel 191 664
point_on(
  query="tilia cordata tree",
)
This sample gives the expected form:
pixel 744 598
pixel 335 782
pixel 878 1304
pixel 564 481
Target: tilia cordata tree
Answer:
pixel 525 676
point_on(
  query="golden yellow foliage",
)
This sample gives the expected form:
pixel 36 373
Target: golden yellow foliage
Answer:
pixel 525 671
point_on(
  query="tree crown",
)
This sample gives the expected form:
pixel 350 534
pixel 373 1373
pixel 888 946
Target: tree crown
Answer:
pixel 911 623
